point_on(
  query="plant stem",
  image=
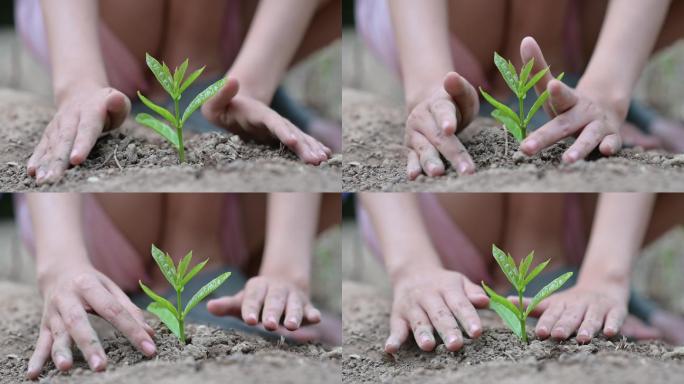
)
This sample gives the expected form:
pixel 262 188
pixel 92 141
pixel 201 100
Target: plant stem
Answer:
pixel 523 126
pixel 522 317
pixel 179 132
pixel 181 320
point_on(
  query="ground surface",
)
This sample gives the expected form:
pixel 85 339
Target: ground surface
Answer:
pixel 131 160
pixel 212 356
pixel 496 357
pixel 375 160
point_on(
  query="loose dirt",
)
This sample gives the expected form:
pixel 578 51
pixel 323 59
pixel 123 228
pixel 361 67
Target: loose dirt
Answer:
pixel 212 355
pixel 496 357
pixel 375 160
pixel 132 159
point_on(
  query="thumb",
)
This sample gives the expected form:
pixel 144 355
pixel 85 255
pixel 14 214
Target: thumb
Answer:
pixel 217 104
pixel 464 95
pixel 561 97
pixel 118 107
pixel 226 305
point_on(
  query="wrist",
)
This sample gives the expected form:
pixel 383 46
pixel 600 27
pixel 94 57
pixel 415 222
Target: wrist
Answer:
pixel 67 90
pixel 410 267
pixel 256 87
pixel 295 273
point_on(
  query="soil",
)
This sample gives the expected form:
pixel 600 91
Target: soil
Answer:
pixel 496 357
pixel 375 160
pixel 211 356
pixel 132 159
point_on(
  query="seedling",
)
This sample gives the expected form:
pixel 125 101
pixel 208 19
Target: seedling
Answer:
pixel 515 317
pixel 174 85
pixel 517 123
pixel 174 317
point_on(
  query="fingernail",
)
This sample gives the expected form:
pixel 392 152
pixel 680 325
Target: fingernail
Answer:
pixel 573 156
pixel 148 347
pixel 425 339
pixel 96 362
pixel 292 321
pixel 452 340
pixel 530 145
pixel 463 168
pixel 474 329
pixel 59 360
pixel 251 318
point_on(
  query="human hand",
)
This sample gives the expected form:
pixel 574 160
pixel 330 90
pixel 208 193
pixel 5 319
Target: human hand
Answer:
pixel 81 117
pixel 433 299
pixel 251 118
pixel 68 294
pixel 585 112
pixel 432 124
pixel 272 297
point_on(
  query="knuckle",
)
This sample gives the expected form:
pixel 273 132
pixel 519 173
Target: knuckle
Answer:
pixel 113 310
pixel 84 281
pixel 74 317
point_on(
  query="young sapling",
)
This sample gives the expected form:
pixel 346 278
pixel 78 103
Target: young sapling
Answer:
pixel 516 317
pixel 174 317
pixel 517 123
pixel 174 85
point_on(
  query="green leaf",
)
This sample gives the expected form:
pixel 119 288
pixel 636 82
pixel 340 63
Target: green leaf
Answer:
pixel 547 290
pixel 163 112
pixel 526 70
pixel 513 127
pixel 191 79
pixel 162 73
pixel 205 291
pixel 166 317
pixel 537 270
pixel 501 107
pixel 162 301
pixel 160 127
pixel 201 98
pixel 507 72
pixel 179 74
pixel 524 266
pixel 508 312
pixel 183 266
pixel 534 80
pixel 193 272
pixel 539 102
pixel 506 265
pixel 165 263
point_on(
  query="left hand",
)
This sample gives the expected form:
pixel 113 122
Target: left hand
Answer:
pixel 583 308
pixel 272 297
pixel 585 113
pixel 251 118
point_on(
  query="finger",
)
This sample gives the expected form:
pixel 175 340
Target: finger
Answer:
pixel 443 320
pixel 548 318
pixel 444 113
pixel 464 311
pixel 294 311
pixel 399 331
pixel 593 320
pixel 475 294
pixel 312 314
pixel 118 106
pixel 216 105
pixel 413 168
pixel 89 129
pixel 76 321
pixel 422 329
pixel 611 144
pixel 560 127
pixel 57 156
pixel 465 96
pixel 109 308
pixel 274 306
pixel 133 309
pixel 38 153
pixel 529 49
pixel 61 347
pixel 255 292
pixel 429 157
pixel 569 321
pixel 586 142
pixel 316 148
pixel 614 320
pixel 447 144
pixel 561 97
pixel 40 354
pixel 227 305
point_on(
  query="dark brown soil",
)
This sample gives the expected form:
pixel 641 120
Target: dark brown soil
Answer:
pixel 496 357
pixel 375 160
pixel 212 355
pixel 131 159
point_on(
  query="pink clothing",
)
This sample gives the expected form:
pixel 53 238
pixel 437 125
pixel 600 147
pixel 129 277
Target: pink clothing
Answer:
pixel 112 254
pixel 123 69
pixel 457 252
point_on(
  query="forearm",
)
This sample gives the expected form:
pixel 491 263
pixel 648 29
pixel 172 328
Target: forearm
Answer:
pixel 75 55
pixel 623 49
pixel 422 64
pixel 620 224
pixel 291 224
pixel 404 241
pixel 57 229
pixel 270 45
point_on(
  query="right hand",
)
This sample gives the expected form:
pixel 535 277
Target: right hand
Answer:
pixel 432 125
pixel 434 298
pixel 81 117
pixel 68 294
